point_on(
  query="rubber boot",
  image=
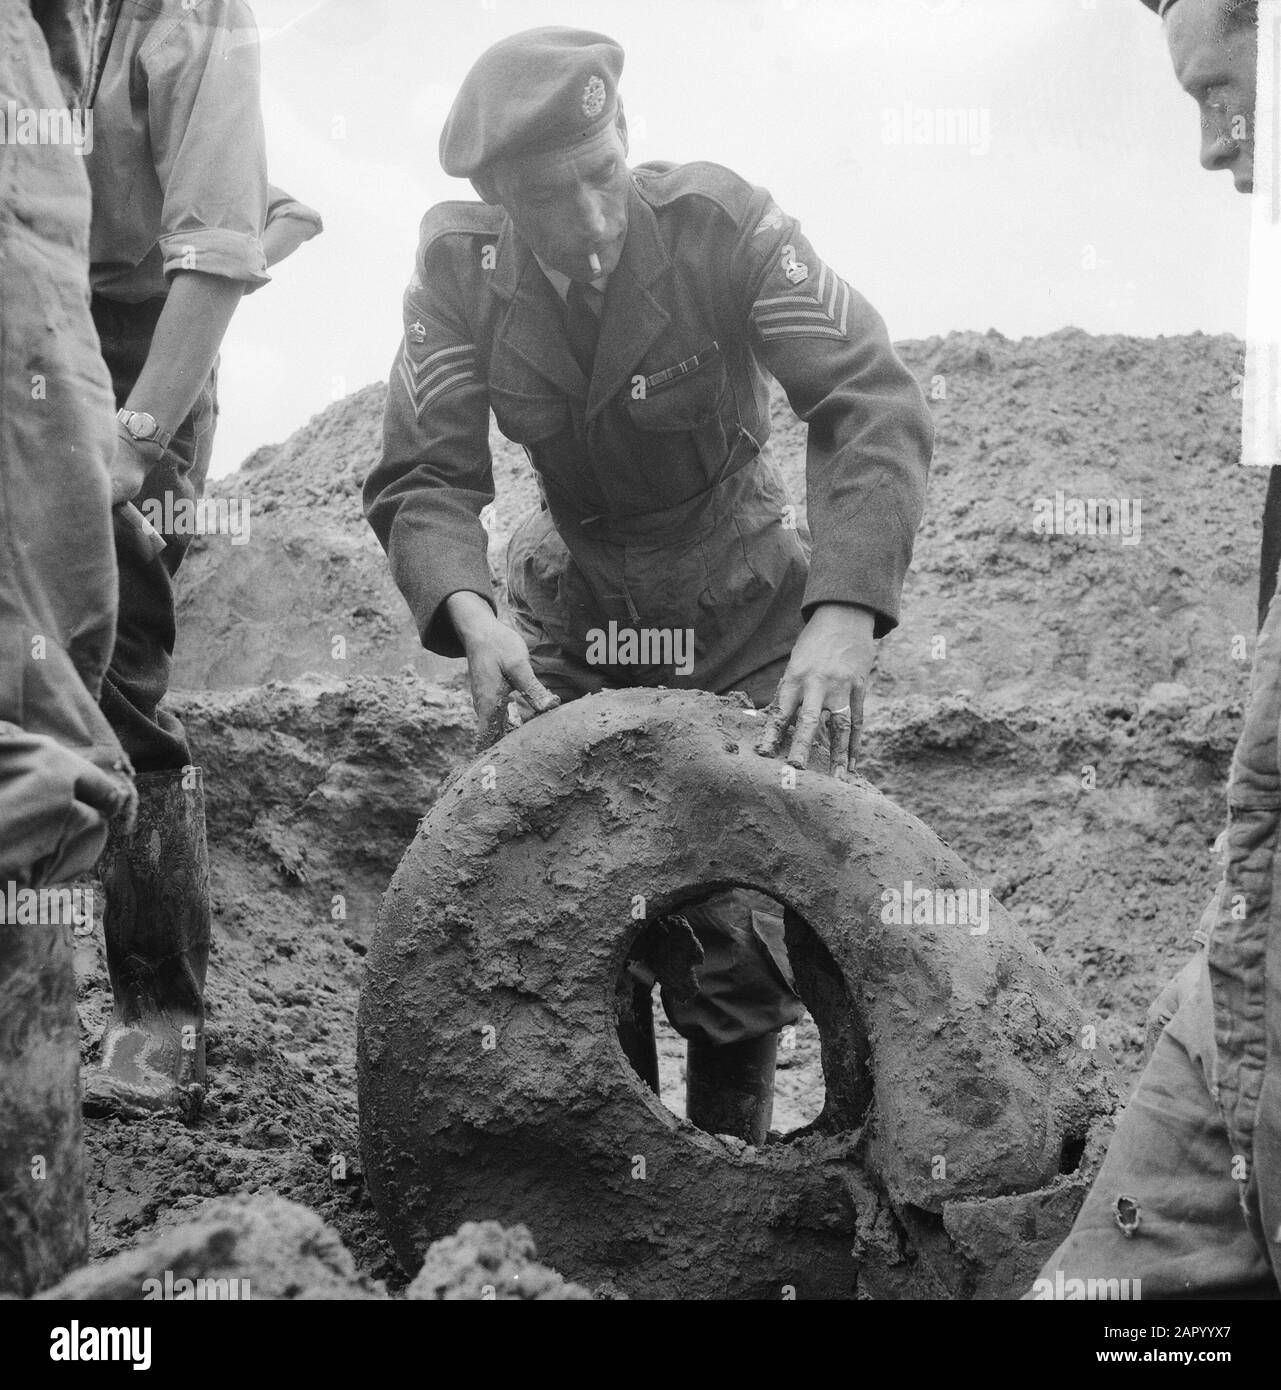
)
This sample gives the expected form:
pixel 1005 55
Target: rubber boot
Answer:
pixel 156 925
pixel 730 1089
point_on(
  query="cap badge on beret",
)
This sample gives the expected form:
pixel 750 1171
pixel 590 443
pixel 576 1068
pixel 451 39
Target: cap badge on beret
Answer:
pixel 418 331
pixel 594 96
pixel 541 90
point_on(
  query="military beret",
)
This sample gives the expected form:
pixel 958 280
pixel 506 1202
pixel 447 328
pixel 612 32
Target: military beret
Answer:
pixel 542 89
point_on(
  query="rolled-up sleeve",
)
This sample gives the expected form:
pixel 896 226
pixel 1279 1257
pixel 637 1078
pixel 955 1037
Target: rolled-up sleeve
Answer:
pixel 207 140
pixel 284 205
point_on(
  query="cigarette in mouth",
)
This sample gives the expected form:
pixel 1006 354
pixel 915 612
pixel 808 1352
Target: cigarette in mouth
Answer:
pixel 594 261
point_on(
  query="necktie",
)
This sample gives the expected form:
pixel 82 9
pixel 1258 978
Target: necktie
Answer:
pixel 582 323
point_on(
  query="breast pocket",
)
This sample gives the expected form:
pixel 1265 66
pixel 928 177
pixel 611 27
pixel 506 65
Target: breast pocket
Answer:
pixel 684 396
pixel 676 421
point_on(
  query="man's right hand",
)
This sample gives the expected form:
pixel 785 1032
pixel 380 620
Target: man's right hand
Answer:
pixel 55 805
pixel 497 663
pixel 133 460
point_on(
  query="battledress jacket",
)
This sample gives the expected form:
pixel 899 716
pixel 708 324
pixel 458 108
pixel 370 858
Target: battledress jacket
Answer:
pixel 641 467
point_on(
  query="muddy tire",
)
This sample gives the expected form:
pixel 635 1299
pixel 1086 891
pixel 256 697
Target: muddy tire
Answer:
pixel 962 1088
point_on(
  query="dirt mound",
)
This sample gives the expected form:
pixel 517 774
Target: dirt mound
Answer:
pixel 485 1261
pixel 264 1247
pixel 309 592
pixel 1152 422
pixel 231 1248
pixel 1023 613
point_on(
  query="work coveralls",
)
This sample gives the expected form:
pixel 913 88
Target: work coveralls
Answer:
pixel 63 776
pixel 1270 547
pixel 662 508
pixel 57 571
pixel 1188 1199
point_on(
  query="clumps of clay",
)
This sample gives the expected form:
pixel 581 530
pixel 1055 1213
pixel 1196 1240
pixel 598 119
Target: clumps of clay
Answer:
pixel 486 1260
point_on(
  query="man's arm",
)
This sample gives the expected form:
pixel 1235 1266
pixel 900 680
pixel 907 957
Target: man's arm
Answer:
pixel 289 224
pixel 186 342
pixel 425 495
pixel 205 125
pixel 869 445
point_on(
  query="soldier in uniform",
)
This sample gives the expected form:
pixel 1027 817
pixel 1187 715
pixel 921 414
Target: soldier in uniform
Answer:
pixel 620 323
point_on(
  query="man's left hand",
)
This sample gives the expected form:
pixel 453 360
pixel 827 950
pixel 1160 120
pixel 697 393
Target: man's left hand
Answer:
pixel 828 671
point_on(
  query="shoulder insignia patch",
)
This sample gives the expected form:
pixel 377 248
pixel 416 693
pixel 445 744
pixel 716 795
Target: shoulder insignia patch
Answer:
pixel 796 271
pixel 772 220
pixel 428 378
pixel 796 304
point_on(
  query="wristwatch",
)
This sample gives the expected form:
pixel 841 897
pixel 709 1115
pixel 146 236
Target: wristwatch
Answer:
pixel 144 427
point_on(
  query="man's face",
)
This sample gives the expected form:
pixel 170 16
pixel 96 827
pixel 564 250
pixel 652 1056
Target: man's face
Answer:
pixel 567 205
pixel 1219 74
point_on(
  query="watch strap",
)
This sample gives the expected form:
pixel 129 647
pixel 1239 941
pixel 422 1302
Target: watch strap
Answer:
pixel 161 437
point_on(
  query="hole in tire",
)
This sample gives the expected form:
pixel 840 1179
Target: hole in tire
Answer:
pixel 822 1080
pixel 1071 1152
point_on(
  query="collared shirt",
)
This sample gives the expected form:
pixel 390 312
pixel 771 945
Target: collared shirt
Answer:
pixel 56 555
pixel 178 165
pixel 561 283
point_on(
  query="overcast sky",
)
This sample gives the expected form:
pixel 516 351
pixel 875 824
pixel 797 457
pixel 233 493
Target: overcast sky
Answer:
pixel 1078 199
